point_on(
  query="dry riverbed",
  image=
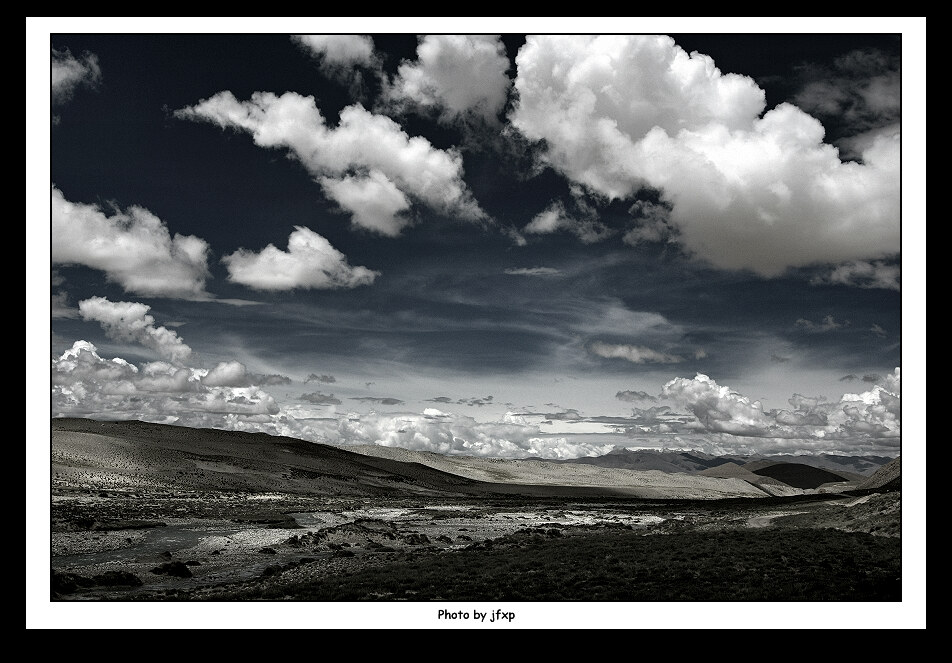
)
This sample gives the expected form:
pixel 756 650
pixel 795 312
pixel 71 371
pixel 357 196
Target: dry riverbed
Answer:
pixel 117 546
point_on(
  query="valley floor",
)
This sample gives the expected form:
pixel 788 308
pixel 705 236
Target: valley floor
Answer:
pixel 205 546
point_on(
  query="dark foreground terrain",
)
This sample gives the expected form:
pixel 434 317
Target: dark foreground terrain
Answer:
pixel 139 516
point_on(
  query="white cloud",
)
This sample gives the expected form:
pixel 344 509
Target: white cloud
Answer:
pixel 717 408
pixel 129 321
pixel 82 362
pixel 651 223
pixel 361 143
pixel 318 398
pixel 862 89
pixel 866 421
pixel 319 378
pixel 634 396
pixel 134 249
pixel 633 353
pixel 67 73
pixel 533 271
pixel 376 202
pixel 862 274
pixel 85 384
pixel 828 324
pixel 309 262
pixel 60 307
pixel 875 413
pixel 339 51
pixel 227 374
pixel 555 218
pixel 163 377
pixel 454 434
pixel 460 75
pixel 620 112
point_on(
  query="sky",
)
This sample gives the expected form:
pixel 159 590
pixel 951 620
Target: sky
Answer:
pixel 504 242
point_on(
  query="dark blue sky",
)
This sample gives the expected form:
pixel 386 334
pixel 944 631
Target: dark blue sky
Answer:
pixel 434 241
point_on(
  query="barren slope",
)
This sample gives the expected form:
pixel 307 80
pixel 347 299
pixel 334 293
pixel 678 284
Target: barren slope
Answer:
pixel 133 455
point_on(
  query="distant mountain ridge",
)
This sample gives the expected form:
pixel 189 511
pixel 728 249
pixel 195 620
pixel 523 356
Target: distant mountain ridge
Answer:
pixel 697 461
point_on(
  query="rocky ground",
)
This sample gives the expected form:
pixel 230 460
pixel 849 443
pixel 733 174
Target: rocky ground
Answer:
pixel 205 546
pixel 146 512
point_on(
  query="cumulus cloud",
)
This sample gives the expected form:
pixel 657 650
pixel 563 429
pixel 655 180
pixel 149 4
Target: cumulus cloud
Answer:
pixel 862 274
pixel 85 384
pixel 634 396
pixel 227 374
pixel 380 401
pixel 130 321
pixel 376 204
pixel 746 189
pixel 319 378
pixel 877 412
pixel 477 402
pixel 309 262
pixel 134 248
pixel 633 353
pixel 271 379
pixel 858 419
pixel 372 150
pixel 68 73
pixel 453 434
pixel 717 408
pixel 317 398
pixel 82 361
pixel 878 331
pixel 458 76
pixel 339 52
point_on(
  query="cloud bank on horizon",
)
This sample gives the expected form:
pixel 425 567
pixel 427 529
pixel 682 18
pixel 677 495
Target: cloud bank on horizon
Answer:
pixel 651 150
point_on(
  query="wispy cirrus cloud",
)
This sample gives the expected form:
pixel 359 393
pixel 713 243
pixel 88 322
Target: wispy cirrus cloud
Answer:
pixel 862 274
pixel 828 324
pixel 862 88
pixel 634 353
pixel 555 218
pixel 69 73
pixel 533 271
